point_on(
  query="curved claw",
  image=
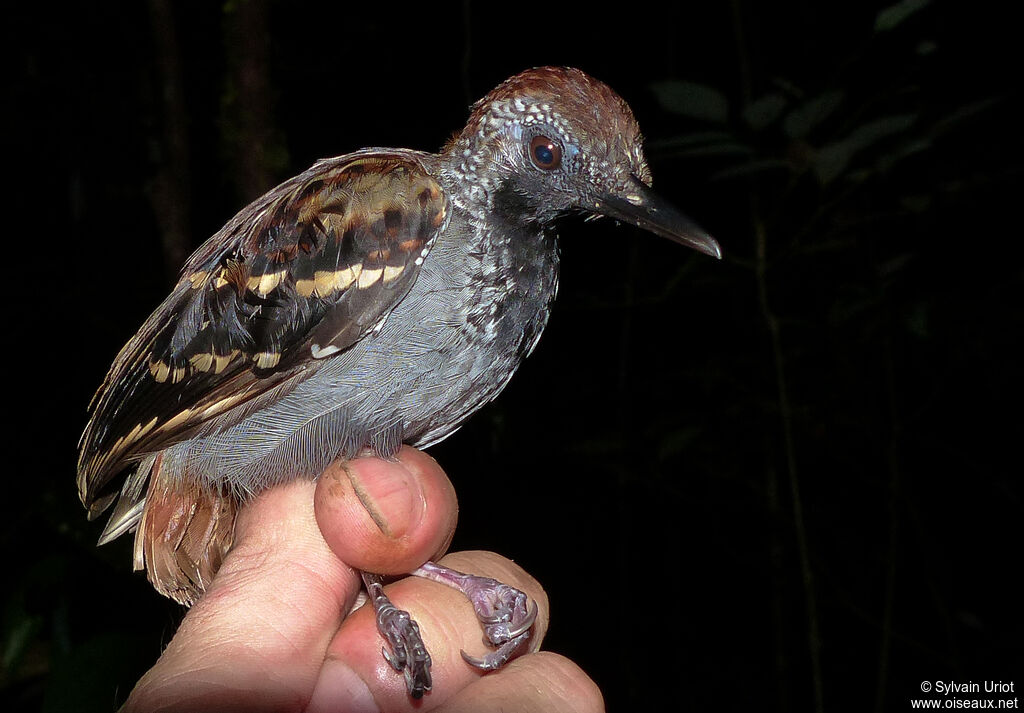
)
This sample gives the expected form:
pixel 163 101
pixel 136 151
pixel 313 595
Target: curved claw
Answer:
pixel 500 656
pixel 527 621
pixel 504 614
pixel 500 608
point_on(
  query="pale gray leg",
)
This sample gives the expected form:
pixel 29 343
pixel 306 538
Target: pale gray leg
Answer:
pixel 500 608
pixel 408 654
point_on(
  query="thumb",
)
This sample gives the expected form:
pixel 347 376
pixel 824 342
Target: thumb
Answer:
pixel 274 605
pixel 386 517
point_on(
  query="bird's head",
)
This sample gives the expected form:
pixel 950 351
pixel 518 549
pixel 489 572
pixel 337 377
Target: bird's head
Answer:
pixel 553 140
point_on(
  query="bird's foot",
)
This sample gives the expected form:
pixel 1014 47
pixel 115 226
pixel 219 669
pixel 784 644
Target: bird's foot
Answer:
pixel 408 654
pixel 501 609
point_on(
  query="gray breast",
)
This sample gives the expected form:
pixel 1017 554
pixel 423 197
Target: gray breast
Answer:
pixel 477 309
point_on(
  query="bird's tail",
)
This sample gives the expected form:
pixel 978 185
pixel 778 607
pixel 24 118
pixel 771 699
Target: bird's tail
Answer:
pixel 182 529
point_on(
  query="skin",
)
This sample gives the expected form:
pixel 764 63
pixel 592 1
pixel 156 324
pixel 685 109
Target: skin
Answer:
pixel 280 629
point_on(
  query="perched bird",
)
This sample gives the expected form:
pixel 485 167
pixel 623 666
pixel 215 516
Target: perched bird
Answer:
pixel 377 299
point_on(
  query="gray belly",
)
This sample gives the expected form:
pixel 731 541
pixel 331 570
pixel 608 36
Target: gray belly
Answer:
pixel 445 351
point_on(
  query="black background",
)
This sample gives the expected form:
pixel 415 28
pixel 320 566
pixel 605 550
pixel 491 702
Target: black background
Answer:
pixel 788 480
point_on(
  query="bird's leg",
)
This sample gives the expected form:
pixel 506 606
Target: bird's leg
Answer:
pixel 408 654
pixel 500 608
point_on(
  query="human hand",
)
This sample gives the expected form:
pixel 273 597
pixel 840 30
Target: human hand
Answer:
pixel 276 631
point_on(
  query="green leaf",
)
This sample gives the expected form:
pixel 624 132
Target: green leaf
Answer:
pixel 909 148
pixel 765 111
pixel 688 140
pixel 726 148
pixel 799 122
pixel 750 168
pixel 917 203
pixel 20 634
pixel 963 113
pixel 869 133
pixel 697 101
pixel 678 441
pixel 699 143
pixel 831 160
pixel 894 15
pixel 916 319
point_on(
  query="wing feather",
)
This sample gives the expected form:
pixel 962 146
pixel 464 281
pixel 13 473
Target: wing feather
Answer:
pixel 303 272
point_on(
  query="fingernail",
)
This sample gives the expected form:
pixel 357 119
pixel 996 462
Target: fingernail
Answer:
pixel 340 688
pixel 388 492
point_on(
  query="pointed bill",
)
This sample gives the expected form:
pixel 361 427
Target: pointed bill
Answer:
pixel 639 205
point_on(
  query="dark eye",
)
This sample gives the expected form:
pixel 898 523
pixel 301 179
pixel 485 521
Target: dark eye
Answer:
pixel 545 153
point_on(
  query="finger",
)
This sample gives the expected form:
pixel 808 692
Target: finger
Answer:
pixel 386 517
pixel 355 670
pixel 273 607
pixel 536 683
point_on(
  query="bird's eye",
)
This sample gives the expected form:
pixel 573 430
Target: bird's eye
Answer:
pixel 545 153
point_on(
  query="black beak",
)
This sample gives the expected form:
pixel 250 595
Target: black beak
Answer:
pixel 639 205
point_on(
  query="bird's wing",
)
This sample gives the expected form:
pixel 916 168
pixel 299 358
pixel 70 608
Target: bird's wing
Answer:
pixel 297 276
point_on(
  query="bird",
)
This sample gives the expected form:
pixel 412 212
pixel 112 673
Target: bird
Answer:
pixel 377 299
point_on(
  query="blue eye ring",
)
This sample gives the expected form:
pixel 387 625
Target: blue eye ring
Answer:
pixel 545 153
